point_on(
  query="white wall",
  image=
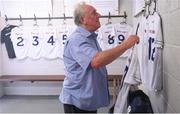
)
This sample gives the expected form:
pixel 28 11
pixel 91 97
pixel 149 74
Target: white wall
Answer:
pixel 170 12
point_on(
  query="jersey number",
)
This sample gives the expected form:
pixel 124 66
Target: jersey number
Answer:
pixel 121 38
pixel 151 49
pixel 36 42
pixel 110 39
pixel 64 38
pixel 51 40
pixel 20 43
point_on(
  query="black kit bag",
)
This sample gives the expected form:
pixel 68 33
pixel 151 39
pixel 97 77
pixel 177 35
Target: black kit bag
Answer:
pixel 138 102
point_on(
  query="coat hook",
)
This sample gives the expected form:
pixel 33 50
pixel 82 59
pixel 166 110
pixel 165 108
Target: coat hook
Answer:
pixel 109 18
pixel 64 16
pixel 49 17
pixel 109 15
pixel 6 18
pixel 35 20
pixel 35 17
pixel 125 15
pixel 49 20
pixel 20 19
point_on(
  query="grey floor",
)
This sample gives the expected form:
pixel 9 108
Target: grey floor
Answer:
pixel 34 104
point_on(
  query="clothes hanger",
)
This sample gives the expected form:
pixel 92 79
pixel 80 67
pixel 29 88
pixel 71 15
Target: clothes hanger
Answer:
pixel 64 20
pixel 109 19
pixel 147 8
pixel 6 19
pixel 155 6
pixel 49 21
pixel 21 22
pixel 124 19
pixel 35 21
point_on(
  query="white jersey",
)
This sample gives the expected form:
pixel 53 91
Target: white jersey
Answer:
pixel 132 71
pixel 106 36
pixel 19 37
pixel 122 31
pixel 35 42
pixel 150 52
pixel 50 43
pixel 63 32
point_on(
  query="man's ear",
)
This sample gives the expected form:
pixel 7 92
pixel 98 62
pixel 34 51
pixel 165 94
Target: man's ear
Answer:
pixel 82 20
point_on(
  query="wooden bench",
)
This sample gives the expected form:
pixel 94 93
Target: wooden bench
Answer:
pixel 12 78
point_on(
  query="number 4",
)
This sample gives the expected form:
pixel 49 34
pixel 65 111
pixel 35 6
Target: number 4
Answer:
pixel 51 40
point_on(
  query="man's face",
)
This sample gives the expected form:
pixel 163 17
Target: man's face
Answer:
pixel 91 18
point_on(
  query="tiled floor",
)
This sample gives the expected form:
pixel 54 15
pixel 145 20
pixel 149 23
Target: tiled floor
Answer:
pixel 34 104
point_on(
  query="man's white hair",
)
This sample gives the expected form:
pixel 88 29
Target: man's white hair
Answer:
pixel 79 12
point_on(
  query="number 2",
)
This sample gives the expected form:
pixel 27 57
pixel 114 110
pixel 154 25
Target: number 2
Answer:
pixel 20 43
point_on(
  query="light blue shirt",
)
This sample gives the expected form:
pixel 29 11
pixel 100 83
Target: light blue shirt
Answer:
pixel 83 86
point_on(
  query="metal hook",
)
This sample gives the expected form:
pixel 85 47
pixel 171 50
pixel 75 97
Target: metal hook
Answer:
pixel 125 19
pixel 6 18
pixel 49 20
pixel 64 18
pixel 125 15
pixel 109 15
pixel 49 17
pixel 147 2
pixel 147 6
pixel 35 17
pixel 155 6
pixel 35 20
pixel 20 19
pixel 109 18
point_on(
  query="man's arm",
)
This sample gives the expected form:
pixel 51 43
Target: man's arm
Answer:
pixel 105 57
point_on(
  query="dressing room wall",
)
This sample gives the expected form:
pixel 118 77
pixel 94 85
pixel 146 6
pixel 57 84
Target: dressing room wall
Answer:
pixel 170 12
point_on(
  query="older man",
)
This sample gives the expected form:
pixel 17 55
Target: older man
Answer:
pixel 85 88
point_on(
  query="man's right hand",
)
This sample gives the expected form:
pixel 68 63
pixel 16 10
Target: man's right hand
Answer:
pixel 131 41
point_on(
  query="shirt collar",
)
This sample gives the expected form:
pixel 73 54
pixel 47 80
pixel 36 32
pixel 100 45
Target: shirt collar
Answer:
pixel 86 33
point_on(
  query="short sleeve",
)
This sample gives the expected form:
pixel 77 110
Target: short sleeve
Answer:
pixel 82 51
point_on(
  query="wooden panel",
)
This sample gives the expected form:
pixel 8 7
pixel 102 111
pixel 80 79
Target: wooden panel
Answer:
pixel 5 78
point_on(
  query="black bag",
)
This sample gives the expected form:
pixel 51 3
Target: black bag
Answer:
pixel 139 102
pixel 111 110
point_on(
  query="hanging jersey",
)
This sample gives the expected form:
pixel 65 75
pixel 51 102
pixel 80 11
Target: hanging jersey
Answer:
pixel 150 52
pixel 5 38
pixel 106 37
pixel 19 37
pixel 122 31
pixel 132 70
pixel 63 33
pixel 50 43
pixel 35 42
pixel 132 77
